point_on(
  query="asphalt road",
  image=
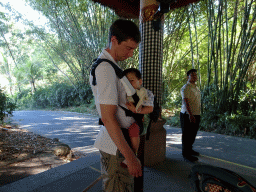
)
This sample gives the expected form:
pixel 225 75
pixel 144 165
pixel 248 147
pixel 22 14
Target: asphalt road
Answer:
pixel 229 148
pixel 80 130
pixel 74 129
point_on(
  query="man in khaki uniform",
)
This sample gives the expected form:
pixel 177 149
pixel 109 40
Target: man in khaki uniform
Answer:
pixel 190 115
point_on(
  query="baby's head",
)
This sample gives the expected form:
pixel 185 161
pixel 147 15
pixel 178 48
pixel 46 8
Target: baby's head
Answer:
pixel 134 76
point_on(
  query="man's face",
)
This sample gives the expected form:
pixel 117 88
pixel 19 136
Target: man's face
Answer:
pixel 135 82
pixel 192 78
pixel 125 49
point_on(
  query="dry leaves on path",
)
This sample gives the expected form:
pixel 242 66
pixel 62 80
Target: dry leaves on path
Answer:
pixel 23 153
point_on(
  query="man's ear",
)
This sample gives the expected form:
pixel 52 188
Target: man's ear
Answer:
pixel 114 40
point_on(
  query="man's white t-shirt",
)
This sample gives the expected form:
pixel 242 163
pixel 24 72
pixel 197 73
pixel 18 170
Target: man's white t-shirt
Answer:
pixel 109 90
pixel 193 94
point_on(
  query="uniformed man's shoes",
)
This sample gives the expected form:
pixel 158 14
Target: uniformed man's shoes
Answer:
pixel 195 153
pixel 190 158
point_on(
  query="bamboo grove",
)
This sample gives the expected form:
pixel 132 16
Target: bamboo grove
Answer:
pixel 232 51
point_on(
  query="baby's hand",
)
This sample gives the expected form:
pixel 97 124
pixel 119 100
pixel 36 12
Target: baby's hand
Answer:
pixel 131 107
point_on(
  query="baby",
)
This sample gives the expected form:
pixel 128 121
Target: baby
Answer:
pixel 144 105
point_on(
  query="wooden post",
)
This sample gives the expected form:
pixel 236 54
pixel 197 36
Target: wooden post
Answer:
pixel 151 48
pixel 150 58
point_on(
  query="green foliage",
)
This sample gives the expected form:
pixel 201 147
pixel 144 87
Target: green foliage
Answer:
pixel 6 106
pixel 235 124
pixel 247 102
pixel 84 108
pixel 80 32
pixel 58 95
pixel 215 119
pixel 23 99
pixel 173 120
pixel 171 99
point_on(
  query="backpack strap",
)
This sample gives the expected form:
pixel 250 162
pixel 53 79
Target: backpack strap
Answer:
pixel 137 117
pixel 118 71
pixel 119 74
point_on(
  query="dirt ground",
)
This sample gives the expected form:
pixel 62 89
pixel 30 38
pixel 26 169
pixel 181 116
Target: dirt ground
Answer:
pixel 23 153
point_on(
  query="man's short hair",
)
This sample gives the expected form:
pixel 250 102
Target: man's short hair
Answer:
pixel 134 71
pixel 124 30
pixel 191 71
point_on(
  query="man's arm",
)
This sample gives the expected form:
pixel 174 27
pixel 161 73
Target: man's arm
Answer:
pixel 108 116
pixel 191 116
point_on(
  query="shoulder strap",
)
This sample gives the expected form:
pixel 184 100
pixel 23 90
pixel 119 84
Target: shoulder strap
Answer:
pixel 118 71
pixel 119 74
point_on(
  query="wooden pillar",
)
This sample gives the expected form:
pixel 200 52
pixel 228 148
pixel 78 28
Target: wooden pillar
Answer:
pixel 151 48
pixel 150 64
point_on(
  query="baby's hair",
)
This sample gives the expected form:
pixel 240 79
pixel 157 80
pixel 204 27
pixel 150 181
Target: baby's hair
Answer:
pixel 136 72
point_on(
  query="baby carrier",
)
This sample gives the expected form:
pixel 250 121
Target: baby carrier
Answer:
pixel 119 73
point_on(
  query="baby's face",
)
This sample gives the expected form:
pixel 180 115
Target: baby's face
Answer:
pixel 135 82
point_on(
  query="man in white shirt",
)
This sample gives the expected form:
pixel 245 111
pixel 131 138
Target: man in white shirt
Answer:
pixel 109 93
pixel 190 115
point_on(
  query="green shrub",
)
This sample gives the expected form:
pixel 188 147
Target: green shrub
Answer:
pixel 173 121
pixel 247 102
pixel 6 105
pixel 58 95
pixel 240 123
pixel 23 99
pixel 40 98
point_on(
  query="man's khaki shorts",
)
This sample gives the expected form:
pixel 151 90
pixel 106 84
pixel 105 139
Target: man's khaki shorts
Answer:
pixel 115 177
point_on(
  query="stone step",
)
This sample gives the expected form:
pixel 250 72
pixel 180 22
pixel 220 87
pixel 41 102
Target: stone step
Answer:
pixel 80 173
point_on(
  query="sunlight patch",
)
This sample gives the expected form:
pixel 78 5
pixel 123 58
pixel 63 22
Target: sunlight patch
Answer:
pixel 91 126
pixel 173 139
pixel 85 149
pixel 69 118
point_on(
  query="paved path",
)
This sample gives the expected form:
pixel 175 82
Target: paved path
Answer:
pixel 234 149
pixel 79 132
pixel 75 129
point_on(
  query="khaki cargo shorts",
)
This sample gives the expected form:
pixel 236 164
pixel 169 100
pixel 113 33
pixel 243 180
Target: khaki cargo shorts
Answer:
pixel 115 177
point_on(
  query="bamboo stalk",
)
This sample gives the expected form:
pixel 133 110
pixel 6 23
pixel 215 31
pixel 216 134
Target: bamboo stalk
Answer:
pixel 190 35
pixel 197 51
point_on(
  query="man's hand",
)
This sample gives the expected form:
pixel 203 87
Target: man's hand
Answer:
pixel 192 118
pixel 134 167
pixel 109 119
